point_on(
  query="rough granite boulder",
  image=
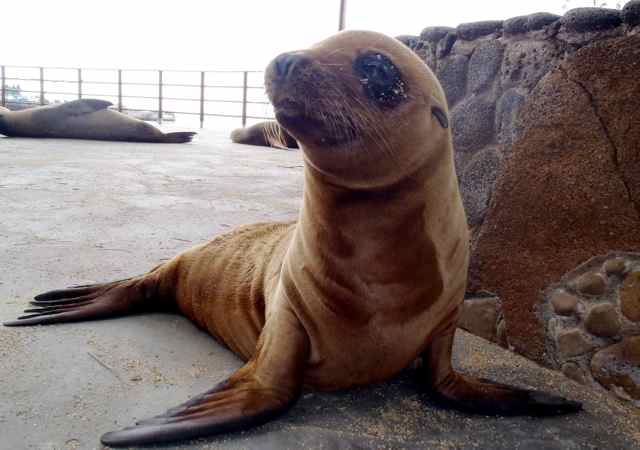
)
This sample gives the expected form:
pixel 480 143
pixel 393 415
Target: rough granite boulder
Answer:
pixel 473 123
pixel 484 63
pixel 452 73
pixel 474 30
pixel 583 20
pixel 531 22
pixel 570 188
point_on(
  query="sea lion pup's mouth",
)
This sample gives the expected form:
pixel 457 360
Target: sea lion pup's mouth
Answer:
pixel 310 102
pixel 326 129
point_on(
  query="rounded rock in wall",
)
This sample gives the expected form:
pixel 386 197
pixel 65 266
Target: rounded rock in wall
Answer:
pixel 484 64
pixel 575 372
pixel 631 13
pixel 602 321
pixel 452 73
pixel 573 343
pixel 615 266
pixel 630 297
pixel 434 34
pixel 564 303
pixel 581 20
pixel 619 366
pixel 477 181
pixel 473 123
pixel 479 316
pixel 591 283
pixel 506 114
pixel 474 30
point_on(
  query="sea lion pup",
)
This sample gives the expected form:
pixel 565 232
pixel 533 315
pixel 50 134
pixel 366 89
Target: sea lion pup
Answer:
pixel 265 134
pixel 84 119
pixel 370 277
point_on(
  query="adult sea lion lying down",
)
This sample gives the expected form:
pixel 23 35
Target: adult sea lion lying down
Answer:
pixel 370 277
pixel 83 119
pixel 265 134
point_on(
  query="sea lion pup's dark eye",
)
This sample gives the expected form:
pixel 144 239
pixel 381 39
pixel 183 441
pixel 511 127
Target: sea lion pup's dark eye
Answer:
pixel 381 79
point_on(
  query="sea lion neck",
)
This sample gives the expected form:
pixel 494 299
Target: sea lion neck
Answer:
pixel 373 234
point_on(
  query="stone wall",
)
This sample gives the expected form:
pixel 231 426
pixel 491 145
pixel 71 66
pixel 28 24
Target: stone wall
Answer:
pixel 545 113
pixel 488 69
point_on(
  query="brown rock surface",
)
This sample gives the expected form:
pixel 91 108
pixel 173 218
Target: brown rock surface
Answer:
pixel 630 297
pixel 602 320
pixel 570 188
pixel 564 303
pixel 615 266
pixel 480 317
pixel 573 343
pixel 619 365
pixel 591 284
pixel 575 372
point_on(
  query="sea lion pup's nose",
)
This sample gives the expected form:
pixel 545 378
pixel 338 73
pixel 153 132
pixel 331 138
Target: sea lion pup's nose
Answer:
pixel 286 63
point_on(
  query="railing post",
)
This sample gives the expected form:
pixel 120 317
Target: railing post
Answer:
pixel 42 85
pixel 244 98
pixel 4 88
pixel 120 90
pixel 201 100
pixel 159 96
pixel 79 84
pixel 343 13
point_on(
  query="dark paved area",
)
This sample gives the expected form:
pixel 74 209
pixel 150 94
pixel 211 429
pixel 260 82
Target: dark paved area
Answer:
pixel 74 212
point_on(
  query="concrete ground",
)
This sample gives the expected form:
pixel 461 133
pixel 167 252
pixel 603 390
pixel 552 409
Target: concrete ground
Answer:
pixel 74 212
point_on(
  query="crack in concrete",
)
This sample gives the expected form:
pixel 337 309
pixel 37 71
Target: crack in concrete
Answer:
pixel 603 125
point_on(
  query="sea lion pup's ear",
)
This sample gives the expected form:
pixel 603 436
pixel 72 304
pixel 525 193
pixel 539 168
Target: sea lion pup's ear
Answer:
pixel 440 115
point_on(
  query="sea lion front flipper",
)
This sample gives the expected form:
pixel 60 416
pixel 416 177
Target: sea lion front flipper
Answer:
pixel 259 391
pixel 89 302
pixel 484 396
pixel 84 106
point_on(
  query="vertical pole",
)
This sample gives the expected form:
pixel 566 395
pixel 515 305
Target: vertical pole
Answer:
pixel 343 13
pixel 201 100
pixel 120 90
pixel 244 98
pixel 42 85
pixel 4 87
pixel 79 84
pixel 159 96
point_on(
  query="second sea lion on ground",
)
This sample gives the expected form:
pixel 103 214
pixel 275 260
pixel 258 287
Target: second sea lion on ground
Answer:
pixel 265 134
pixel 84 119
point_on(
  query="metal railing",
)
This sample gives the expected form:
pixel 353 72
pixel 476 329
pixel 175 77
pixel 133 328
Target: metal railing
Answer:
pixel 243 98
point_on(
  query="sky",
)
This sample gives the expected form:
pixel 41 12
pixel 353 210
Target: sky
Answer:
pixel 216 34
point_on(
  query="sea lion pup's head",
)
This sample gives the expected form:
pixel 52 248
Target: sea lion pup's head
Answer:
pixel 365 109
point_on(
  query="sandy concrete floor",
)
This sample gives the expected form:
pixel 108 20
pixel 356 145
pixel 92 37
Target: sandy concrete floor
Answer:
pixel 74 212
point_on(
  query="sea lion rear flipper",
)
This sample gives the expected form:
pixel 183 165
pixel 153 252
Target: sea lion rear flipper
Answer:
pixel 178 137
pixel 84 106
pixel 484 396
pixel 259 391
pixel 89 302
